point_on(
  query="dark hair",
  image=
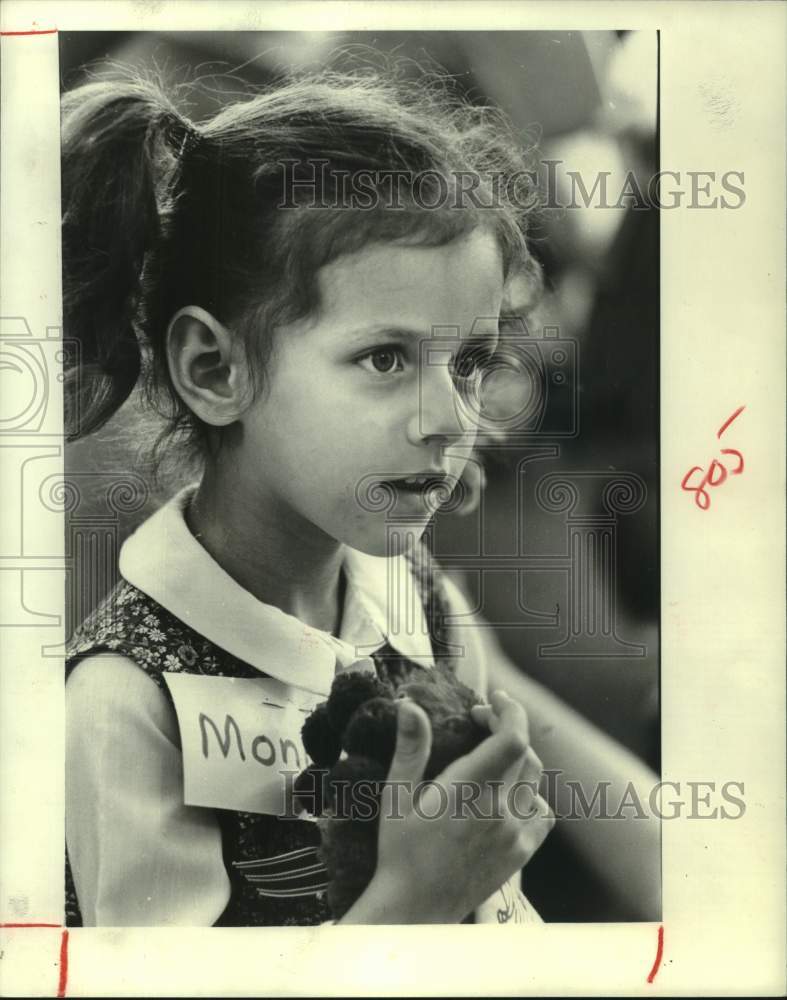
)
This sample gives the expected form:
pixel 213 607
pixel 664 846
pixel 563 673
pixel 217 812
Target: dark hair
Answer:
pixel 160 213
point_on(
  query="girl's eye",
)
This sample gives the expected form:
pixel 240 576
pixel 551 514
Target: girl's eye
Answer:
pixel 471 361
pixel 383 361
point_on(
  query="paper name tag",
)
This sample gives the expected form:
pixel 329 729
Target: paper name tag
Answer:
pixel 241 740
pixel 507 906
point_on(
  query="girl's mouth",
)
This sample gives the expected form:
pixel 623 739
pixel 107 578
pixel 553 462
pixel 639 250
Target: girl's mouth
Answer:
pixel 432 489
pixel 419 484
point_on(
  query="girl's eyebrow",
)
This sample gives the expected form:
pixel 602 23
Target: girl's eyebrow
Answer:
pixel 401 333
pixel 392 332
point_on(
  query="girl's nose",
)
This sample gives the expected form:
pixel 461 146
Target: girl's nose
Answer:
pixel 439 414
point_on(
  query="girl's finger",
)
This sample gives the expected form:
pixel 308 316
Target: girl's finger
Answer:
pixel 498 699
pixel 532 810
pixel 484 715
pixel 511 715
pixel 489 715
pixel 503 711
pixel 413 746
pixel 532 768
pixel 499 756
pixel 546 816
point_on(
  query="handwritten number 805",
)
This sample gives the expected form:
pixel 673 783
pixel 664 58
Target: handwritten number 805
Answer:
pixel 717 472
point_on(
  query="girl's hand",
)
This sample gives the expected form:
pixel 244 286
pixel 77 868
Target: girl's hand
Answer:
pixel 437 870
pixel 490 716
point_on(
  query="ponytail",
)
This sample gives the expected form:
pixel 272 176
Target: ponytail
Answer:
pixel 119 146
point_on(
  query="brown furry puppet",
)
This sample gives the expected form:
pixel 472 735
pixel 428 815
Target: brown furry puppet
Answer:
pixel 343 790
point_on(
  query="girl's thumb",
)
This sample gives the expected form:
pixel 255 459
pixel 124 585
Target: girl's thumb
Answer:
pixel 413 742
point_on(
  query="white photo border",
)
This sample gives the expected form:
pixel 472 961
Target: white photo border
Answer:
pixel 722 634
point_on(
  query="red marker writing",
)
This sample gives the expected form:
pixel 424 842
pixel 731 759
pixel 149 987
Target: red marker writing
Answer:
pixel 716 473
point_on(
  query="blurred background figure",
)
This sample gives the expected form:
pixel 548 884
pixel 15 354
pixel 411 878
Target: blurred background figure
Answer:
pixel 589 101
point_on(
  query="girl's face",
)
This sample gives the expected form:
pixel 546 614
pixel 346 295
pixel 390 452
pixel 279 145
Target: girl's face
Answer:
pixel 366 392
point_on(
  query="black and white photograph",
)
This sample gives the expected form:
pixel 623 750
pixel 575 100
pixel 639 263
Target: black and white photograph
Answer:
pixel 397 536
pixel 452 263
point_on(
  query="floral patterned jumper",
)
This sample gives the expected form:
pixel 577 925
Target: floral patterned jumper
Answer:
pixel 131 623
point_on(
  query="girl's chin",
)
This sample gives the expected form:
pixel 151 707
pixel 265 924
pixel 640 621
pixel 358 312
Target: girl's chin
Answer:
pixel 388 539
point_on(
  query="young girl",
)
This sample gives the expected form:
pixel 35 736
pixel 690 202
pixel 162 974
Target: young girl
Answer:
pixel 272 275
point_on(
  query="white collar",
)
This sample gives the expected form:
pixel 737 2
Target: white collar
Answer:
pixel 165 561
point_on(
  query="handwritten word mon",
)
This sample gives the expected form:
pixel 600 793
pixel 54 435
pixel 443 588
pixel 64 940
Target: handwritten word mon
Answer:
pixel 717 471
pixel 262 748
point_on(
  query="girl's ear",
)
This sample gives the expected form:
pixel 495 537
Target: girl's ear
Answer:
pixel 208 366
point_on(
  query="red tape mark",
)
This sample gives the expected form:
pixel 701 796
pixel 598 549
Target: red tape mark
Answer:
pixel 659 954
pixel 46 31
pixel 30 925
pixel 61 986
